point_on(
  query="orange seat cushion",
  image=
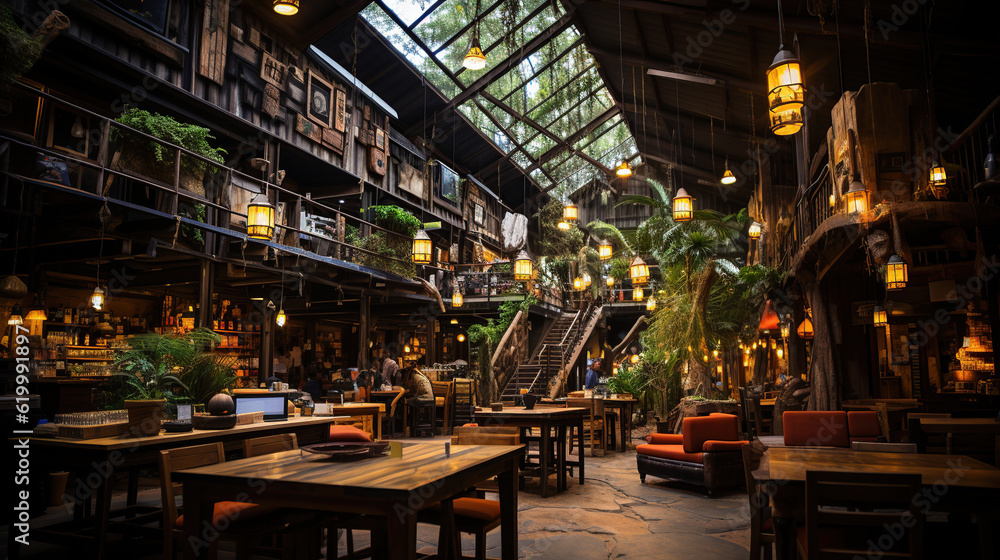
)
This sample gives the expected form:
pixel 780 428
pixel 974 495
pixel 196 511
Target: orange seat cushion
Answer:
pixel 863 424
pixel 699 429
pixel 228 512
pixel 675 452
pixel 669 439
pixel 478 509
pixel 716 445
pixel 815 428
pixel 347 433
pixel 439 401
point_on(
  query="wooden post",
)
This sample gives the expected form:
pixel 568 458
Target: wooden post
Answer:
pixel 266 346
pixel 206 285
pixel 364 325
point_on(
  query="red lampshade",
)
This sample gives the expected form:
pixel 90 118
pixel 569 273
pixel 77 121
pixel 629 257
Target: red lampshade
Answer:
pixel 769 319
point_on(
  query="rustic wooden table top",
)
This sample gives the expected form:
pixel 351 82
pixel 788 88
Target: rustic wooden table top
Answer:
pixel 421 464
pixel 521 412
pixel 791 464
pixel 174 439
pixel 984 425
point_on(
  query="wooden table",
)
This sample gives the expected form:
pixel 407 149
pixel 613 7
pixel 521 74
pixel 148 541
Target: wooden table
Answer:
pixel 971 486
pixel 395 489
pixel 373 411
pixel 544 419
pixel 921 426
pixel 624 409
pixel 95 462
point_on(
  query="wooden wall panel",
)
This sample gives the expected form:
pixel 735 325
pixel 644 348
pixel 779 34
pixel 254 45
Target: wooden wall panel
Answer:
pixel 214 40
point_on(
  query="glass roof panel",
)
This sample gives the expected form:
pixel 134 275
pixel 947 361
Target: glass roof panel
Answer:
pixel 557 86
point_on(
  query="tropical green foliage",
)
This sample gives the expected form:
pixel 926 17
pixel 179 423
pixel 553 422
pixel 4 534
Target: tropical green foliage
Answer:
pixel 189 136
pixel 396 219
pixel 555 242
pixel 156 366
pixel 492 331
pixel 19 50
pixel 382 250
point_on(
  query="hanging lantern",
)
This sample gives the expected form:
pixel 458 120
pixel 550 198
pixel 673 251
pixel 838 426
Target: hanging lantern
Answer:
pixel 880 316
pixel 460 337
pixel 260 218
pixel 15 319
pixel 637 294
pixel 406 348
pixel 683 207
pixel 578 283
pixel 570 212
pixel 896 274
pixel 780 353
pixel 280 318
pixel 786 93
pixel 768 319
pixel 286 7
pixel 639 271
pixel 586 280
pixel 563 225
pixel 624 170
pixel 938 181
pixel 754 232
pixel 524 268
pixel 634 359
pixel 36 315
pixel 728 178
pixel 475 59
pixel 610 281
pixel 786 330
pixel 805 330
pixel 422 247
pixel 13 288
pixel 651 304
pixel 456 299
pixel 454 321
pixel 604 250
pixel 787 122
pixel 97 299
pixel 857 198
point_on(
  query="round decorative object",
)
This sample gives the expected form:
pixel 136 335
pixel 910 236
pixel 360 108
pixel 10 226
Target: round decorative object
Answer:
pixel 12 287
pixel 220 405
pixel 222 422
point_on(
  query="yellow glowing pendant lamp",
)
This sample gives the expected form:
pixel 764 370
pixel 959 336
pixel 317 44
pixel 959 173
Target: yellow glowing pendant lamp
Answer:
pixel 651 304
pixel 881 318
pixel 586 280
pixel 563 225
pixel 286 7
pixel 570 212
pixel 728 178
pixel 456 299
pixel 578 283
pixel 610 281
pixel 805 330
pixel 281 318
pixel 604 250
pixel 624 170
pixel 683 207
pixel 15 319
pixel 637 294
pixel 260 218
pixel 422 248
pixel 786 94
pixel 639 271
pixel 475 59
pixel 786 329
pixel 754 231
pixel 524 267
pixel 460 337
pixel 938 181
pixel 857 198
pixel 896 273
pixel 97 299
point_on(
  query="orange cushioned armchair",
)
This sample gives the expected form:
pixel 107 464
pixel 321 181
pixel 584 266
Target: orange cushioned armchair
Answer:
pixel 707 452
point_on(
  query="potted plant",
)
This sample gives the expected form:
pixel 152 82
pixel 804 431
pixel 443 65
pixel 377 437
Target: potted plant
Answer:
pixel 153 370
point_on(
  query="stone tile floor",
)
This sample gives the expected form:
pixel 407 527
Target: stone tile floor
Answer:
pixel 611 516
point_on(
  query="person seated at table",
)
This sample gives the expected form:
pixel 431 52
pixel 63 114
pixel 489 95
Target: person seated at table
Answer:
pixel 313 387
pixel 593 376
pixel 417 388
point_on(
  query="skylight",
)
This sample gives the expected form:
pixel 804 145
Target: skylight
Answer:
pixel 535 111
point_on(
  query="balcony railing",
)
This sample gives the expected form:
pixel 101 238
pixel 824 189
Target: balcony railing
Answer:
pixel 127 165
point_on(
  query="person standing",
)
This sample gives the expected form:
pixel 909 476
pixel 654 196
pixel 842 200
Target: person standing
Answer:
pixel 593 376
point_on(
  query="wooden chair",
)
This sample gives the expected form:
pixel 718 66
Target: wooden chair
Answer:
pixel 246 524
pixel 940 444
pixel 286 442
pixel 391 403
pixel 464 401
pixel 847 511
pixel 443 399
pixel 761 524
pixel 269 444
pixel 477 516
pixel 594 433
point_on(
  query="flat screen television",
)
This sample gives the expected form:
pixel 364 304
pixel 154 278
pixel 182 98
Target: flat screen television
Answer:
pixel 273 405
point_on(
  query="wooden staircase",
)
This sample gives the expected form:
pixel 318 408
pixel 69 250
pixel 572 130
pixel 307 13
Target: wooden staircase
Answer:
pixel 561 342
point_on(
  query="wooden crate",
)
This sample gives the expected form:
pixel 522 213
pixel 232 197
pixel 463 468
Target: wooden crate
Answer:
pixel 92 432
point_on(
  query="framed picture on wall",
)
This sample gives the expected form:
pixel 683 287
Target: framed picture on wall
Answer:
pixel 340 118
pixel 480 215
pixel 272 71
pixel 320 100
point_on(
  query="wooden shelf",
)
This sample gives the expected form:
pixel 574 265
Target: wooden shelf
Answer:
pixel 221 331
pixel 83 359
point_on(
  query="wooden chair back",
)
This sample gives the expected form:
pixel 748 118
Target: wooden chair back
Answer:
pixel 751 414
pixel 882 413
pixel 269 444
pixel 912 415
pixel 593 421
pixel 851 508
pixel 486 435
pixel 175 460
pixel 444 390
pixel 759 510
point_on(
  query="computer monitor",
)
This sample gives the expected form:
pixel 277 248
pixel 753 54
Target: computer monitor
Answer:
pixel 273 405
